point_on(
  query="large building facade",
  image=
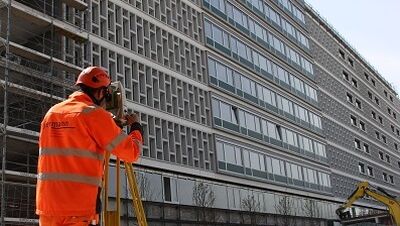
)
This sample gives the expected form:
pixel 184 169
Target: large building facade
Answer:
pixel 255 112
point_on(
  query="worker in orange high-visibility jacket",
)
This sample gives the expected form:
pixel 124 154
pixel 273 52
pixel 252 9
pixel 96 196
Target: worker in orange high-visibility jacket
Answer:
pixel 75 135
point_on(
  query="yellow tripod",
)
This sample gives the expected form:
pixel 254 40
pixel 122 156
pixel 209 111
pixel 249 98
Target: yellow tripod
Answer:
pixel 112 217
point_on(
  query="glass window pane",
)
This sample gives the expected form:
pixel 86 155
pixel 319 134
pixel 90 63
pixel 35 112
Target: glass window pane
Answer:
pixel 174 190
pixel 186 190
pixel 262 162
pixel 237 15
pixel 220 151
pixel 226 112
pixel 241 50
pixel 250 121
pixel 238 156
pixel 238 82
pixel 289 170
pixel 255 162
pixel 217 34
pixel 246 85
pixel 249 54
pixel 264 127
pixel 208 29
pixel 216 108
pixel 271 130
pixel 229 10
pixel 263 63
pixel 220 194
pixel 242 118
pixel 230 153
pixel 211 68
pixel 234 47
pixel 268 162
pixel 246 158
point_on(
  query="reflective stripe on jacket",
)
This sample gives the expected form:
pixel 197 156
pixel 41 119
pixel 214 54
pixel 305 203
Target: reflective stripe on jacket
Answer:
pixel 75 135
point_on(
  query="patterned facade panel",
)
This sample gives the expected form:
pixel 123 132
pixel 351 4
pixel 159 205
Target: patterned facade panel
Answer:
pixel 149 40
pixel 175 143
pixel 175 13
pixel 146 85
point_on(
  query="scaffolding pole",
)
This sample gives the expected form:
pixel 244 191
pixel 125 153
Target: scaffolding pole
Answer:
pixel 5 121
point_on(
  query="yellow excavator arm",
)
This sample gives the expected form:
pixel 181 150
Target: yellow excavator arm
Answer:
pixel 364 189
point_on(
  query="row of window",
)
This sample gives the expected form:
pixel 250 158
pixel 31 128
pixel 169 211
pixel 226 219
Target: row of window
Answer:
pixel 354 81
pixel 377 117
pixel 239 84
pixel 182 190
pixel 389 110
pixel 272 17
pixel 360 124
pixel 384 157
pixel 241 121
pixel 238 159
pixel 368 170
pixel 390 113
pixel 388 178
pixel 294 11
pixel 388 96
pixel 254 60
pixel 365 169
pixel 395 131
pixel 264 37
pixel 376 98
pixel 257 31
pixel 357 102
pixel 367 77
pixel 350 61
pixel 380 137
pixel 357 145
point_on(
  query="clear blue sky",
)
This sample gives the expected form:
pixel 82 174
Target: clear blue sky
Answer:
pixel 372 27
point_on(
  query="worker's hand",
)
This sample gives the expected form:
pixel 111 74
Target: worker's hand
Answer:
pixel 134 122
pixel 131 118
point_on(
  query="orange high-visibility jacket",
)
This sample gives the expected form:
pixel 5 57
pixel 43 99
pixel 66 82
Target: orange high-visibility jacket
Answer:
pixel 75 135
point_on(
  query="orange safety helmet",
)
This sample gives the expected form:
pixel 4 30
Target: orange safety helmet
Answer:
pixel 93 77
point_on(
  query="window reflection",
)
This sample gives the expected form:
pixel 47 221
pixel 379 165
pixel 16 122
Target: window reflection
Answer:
pixel 269 98
pixel 226 196
pixel 284 171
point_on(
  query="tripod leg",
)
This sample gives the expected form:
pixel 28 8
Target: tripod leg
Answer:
pixel 137 201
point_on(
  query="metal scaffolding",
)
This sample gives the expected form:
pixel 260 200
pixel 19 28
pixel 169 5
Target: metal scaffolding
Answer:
pixel 34 74
pixel 5 117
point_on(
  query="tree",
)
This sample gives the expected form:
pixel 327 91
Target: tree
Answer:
pixel 203 195
pixel 146 191
pixel 250 204
pixel 285 208
pixel 310 209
